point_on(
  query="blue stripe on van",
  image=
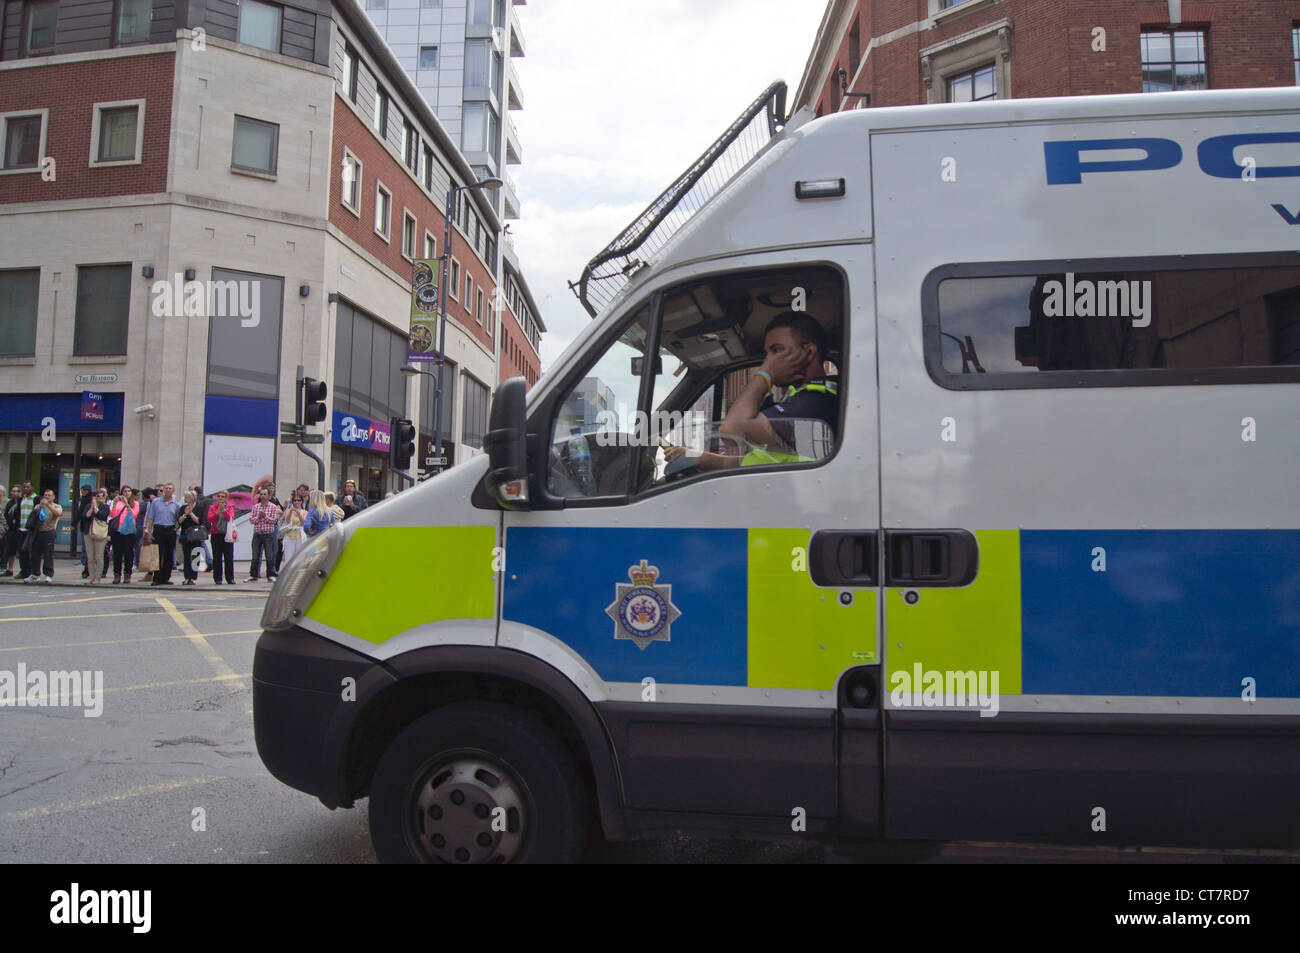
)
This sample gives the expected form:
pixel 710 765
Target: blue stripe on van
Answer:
pixel 560 579
pixel 1177 612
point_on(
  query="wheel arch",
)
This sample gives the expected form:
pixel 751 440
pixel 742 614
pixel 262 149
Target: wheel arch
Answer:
pixel 427 678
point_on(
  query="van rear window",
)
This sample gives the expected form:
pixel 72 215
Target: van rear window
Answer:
pixel 1119 323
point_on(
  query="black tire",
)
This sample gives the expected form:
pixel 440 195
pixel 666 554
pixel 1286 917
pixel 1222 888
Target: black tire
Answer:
pixel 463 749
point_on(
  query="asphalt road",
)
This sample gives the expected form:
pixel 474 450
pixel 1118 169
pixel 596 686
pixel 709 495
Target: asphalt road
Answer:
pixel 169 771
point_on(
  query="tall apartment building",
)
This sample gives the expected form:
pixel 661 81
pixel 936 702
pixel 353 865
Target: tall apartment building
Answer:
pixel 460 54
pixel 197 199
pixel 909 52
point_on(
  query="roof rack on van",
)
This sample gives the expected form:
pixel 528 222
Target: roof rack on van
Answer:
pixel 607 274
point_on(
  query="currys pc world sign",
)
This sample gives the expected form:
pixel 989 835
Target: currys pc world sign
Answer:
pixel 361 432
pixel 1216 157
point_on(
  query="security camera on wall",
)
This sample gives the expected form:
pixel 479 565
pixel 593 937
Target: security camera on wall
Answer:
pixel 145 409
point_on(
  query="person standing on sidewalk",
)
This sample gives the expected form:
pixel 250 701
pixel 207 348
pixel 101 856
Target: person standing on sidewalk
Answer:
pixel 291 533
pixel 320 516
pixel 13 529
pixel 95 544
pixel 46 523
pixel 351 502
pixel 192 533
pixel 160 525
pixel 122 520
pixel 81 525
pixel 264 518
pixel 221 516
pixel 25 515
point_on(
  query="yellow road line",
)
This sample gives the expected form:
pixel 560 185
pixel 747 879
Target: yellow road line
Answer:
pixel 185 681
pixel 196 638
pixel 143 791
pixel 151 638
pixel 103 615
pixel 64 602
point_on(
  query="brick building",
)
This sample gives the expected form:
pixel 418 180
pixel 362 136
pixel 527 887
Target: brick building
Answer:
pixel 196 199
pixel 908 52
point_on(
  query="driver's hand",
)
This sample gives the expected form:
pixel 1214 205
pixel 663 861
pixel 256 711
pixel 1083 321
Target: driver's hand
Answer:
pixel 672 453
pixel 784 366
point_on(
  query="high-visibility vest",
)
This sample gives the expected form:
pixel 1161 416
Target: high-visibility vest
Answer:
pixel 761 456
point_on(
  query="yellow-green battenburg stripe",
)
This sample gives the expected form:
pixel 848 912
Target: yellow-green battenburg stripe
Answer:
pixel 974 628
pixel 799 635
pixel 393 578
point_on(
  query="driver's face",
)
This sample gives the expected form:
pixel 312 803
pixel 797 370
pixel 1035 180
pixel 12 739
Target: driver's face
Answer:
pixel 783 343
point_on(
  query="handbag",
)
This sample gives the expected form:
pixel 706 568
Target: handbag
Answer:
pixel 195 534
pixel 99 529
pixel 149 557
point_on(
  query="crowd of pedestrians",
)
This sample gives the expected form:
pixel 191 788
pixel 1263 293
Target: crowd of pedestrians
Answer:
pixel 191 531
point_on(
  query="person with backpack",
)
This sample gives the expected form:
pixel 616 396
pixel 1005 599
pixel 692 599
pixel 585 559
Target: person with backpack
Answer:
pixel 43 525
pixel 123 518
pixel 221 517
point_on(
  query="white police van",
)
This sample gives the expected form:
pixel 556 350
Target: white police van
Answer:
pixel 1036 578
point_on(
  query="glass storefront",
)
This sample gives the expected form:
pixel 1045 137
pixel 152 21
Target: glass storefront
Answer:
pixel 63 465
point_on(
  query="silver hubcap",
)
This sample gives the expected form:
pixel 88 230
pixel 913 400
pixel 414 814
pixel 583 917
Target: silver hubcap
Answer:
pixel 469 811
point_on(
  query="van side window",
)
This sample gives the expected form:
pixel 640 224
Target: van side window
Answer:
pixel 1210 320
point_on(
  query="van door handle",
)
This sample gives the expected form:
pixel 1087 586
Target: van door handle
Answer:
pixel 840 558
pixel 930 557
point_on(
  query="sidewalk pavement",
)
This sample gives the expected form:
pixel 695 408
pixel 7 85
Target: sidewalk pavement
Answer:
pixel 67 572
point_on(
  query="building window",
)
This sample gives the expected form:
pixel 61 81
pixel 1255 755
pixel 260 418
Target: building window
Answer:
pixel 453 286
pixel 1173 59
pixel 478 307
pixel 42 21
pixel 257 146
pixel 428 168
pixel 103 307
pixel 469 292
pixel 428 57
pixel 118 133
pixel 430 246
pixel 855 49
pixel 476 412
pixel 24 140
pixel 428 392
pixel 134 21
pixel 473 136
pixel 350 73
pixel 383 206
pixel 376 4
pixel 411 146
pixel 978 84
pixel 259 25
pixel 352 182
pixel 18 294
pixel 1295 53
pixel 490 316
pixel 244 357
pixel 408 234
pixel 476 63
pixel 430 4
pixel 381 113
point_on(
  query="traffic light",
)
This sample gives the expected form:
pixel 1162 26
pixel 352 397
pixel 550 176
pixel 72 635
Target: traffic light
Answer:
pixel 313 401
pixel 402 447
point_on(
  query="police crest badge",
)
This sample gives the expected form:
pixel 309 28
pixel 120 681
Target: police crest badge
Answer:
pixel 642 611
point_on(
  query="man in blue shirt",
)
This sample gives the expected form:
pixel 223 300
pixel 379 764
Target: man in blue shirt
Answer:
pixel 160 527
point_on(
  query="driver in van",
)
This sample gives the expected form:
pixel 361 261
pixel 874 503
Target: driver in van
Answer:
pixel 795 343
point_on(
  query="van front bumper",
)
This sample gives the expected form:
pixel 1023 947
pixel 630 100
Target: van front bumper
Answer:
pixel 301 719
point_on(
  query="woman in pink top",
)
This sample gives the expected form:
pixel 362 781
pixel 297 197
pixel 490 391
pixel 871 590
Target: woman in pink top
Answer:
pixel 123 524
pixel 221 515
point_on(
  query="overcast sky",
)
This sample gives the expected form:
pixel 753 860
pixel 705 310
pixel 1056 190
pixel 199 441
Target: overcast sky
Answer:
pixel 619 97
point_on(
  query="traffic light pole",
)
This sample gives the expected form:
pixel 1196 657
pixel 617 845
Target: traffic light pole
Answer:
pixel 320 464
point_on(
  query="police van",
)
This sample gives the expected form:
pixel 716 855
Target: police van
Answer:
pixel 925 473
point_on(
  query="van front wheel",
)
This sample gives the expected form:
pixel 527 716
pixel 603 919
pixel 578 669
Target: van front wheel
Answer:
pixel 476 783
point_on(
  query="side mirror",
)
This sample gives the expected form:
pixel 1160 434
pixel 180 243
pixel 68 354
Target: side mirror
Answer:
pixel 505 443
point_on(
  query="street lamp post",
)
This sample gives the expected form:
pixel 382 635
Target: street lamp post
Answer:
pixel 492 184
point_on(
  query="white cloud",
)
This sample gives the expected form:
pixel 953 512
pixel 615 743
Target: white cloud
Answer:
pixel 619 98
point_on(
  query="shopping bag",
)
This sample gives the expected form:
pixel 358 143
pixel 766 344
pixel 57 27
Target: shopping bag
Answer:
pixel 149 557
